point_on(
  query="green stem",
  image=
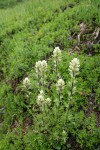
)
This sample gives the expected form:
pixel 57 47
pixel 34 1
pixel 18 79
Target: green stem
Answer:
pixel 59 94
pixel 39 82
pixel 57 69
pixel 43 81
pixel 71 89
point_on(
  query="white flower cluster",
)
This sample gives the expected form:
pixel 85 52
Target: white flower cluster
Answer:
pixel 26 82
pixel 60 85
pixel 41 66
pixel 48 101
pixel 57 53
pixel 74 67
pixel 41 100
pixel 38 66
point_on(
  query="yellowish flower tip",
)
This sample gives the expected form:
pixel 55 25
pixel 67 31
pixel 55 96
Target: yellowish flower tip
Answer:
pixel 40 99
pixel 26 82
pixel 38 66
pixel 44 65
pixel 60 84
pixel 74 67
pixel 41 66
pixel 48 101
pixel 57 53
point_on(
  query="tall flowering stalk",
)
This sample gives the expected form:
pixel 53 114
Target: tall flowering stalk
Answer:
pixel 26 83
pixel 38 71
pixel 26 86
pixel 26 101
pixel 60 86
pixel 44 68
pixel 41 67
pixel 73 70
pixel 57 58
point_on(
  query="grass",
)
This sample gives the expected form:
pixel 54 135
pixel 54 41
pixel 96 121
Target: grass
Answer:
pixel 8 3
pixel 29 31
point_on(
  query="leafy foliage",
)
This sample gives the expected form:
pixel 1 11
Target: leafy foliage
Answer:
pixel 29 31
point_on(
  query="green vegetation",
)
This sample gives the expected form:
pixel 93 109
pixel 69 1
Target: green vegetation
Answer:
pixel 29 32
pixel 8 3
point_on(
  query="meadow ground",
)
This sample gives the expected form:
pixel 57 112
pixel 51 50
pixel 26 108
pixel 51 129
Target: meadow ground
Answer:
pixel 29 32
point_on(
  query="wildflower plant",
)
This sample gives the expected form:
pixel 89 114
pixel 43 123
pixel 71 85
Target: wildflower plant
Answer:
pixel 41 67
pixel 26 86
pixel 49 112
pixel 73 71
pixel 26 90
pixel 60 86
pixel 57 59
pixel 26 83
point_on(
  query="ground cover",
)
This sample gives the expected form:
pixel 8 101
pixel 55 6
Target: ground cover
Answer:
pixel 29 32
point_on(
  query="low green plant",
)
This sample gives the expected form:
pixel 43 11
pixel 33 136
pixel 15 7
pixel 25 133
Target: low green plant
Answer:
pixel 46 111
